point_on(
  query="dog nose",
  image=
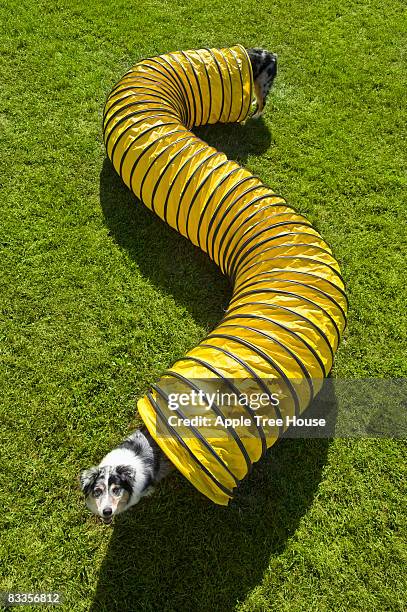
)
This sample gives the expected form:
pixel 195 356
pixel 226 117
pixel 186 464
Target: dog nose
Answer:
pixel 107 512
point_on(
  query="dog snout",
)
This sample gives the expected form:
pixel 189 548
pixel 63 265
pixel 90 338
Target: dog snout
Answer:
pixel 107 512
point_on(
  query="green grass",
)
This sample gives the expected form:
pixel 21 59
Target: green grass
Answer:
pixel 97 297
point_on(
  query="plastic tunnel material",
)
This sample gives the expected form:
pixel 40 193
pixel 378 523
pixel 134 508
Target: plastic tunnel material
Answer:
pixel 288 309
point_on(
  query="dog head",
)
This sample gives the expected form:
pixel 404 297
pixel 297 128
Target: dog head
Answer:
pixel 110 490
pixel 264 66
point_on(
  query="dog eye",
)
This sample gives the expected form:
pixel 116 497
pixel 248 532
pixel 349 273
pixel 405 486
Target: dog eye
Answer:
pixel 116 490
pixel 97 492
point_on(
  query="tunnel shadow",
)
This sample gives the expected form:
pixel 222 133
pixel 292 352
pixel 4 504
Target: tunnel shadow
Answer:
pixel 167 259
pixel 238 140
pixel 178 551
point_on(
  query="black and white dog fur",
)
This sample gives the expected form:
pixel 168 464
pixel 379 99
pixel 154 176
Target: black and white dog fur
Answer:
pixel 264 65
pixel 131 470
pixel 125 475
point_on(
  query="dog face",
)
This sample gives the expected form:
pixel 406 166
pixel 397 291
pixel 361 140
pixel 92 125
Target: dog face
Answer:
pixel 109 490
pixel 264 65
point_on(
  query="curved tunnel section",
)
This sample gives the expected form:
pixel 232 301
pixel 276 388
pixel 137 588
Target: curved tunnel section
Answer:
pixel 288 309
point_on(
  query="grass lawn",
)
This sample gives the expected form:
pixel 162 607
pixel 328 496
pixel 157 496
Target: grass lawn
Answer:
pixel 97 297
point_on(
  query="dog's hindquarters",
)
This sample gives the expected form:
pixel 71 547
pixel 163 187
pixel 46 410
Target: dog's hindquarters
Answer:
pixel 264 66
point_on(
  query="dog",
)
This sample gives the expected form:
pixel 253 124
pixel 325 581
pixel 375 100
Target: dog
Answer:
pixel 264 66
pixel 131 470
pixel 124 476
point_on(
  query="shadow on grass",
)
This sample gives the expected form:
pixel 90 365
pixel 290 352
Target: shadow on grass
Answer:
pixel 167 259
pixel 178 551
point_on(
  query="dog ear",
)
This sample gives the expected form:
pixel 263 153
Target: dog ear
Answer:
pixel 87 479
pixel 127 473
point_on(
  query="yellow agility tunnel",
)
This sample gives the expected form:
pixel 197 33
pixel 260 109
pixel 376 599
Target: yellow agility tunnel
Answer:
pixel 277 340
